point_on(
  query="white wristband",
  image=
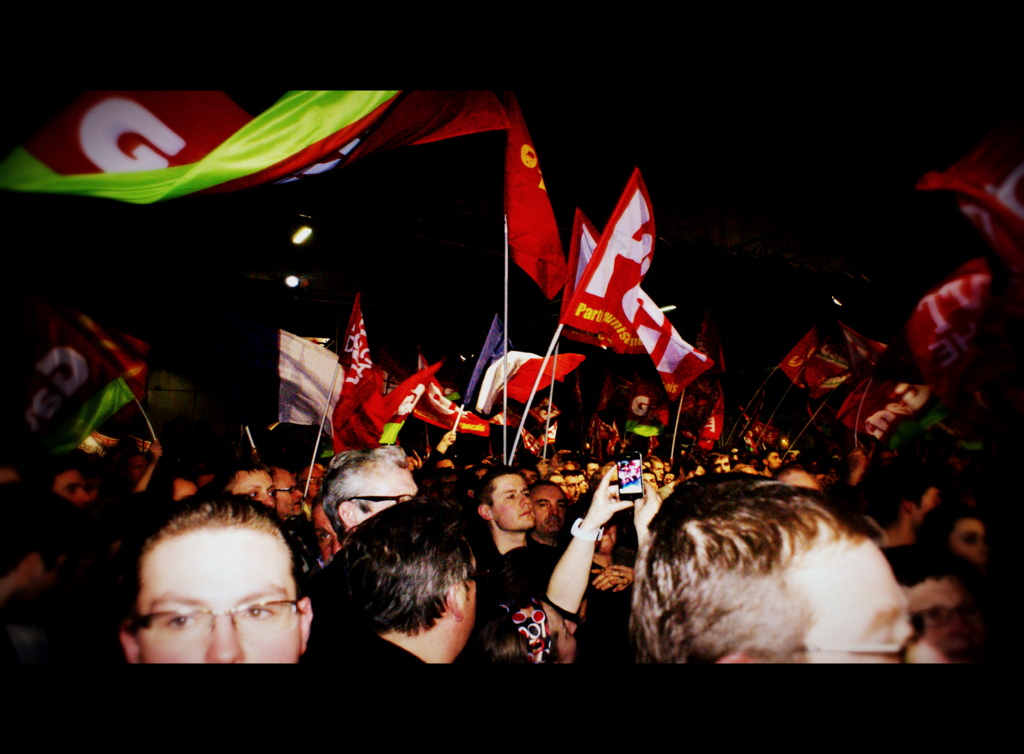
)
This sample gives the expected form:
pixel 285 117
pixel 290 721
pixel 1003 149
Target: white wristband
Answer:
pixel 587 535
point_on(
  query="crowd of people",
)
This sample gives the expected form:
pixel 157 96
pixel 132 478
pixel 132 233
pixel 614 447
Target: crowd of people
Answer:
pixel 199 551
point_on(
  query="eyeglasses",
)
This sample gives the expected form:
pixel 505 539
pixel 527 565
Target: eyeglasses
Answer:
pixel 284 489
pixel 937 617
pixel 383 498
pixel 261 619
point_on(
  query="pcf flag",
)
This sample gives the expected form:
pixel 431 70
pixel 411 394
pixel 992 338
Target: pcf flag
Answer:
pixel 532 232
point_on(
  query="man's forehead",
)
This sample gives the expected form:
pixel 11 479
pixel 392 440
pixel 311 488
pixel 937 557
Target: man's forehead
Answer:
pixel 247 478
pixel 389 480
pixel 216 568
pixel 548 493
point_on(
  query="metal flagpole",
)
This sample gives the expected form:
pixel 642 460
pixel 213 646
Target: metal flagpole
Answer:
pixel 729 440
pixel 504 361
pixel 679 411
pixel 255 453
pixel 778 405
pixel 551 398
pixel 536 382
pixel 829 395
pixel 323 420
pixel 856 431
pixel 148 424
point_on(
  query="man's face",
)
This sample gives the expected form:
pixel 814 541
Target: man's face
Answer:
pixel 953 630
pixel 70 485
pixel 217 569
pixel 773 462
pixel 255 485
pixel 574 486
pixel 658 467
pixel 720 465
pixel 287 496
pixel 390 481
pixel 531 476
pixel 326 539
pixel 510 505
pixel 316 478
pixel 548 504
pixel 858 611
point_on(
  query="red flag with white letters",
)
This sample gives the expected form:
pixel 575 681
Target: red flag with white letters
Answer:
pixel 609 301
pixel 989 187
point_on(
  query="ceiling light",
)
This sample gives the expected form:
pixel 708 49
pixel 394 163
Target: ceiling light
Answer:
pixel 302 234
pixel 292 281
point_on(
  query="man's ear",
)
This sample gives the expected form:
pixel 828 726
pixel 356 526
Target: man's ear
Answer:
pixel 130 644
pixel 485 512
pixel 349 514
pixel 306 617
pixel 456 602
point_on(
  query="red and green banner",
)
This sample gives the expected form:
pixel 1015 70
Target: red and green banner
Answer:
pixel 79 374
pixel 144 146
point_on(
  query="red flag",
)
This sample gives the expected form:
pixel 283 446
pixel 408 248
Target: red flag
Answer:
pixel 793 363
pixel 989 185
pixel 361 414
pixel 80 373
pixel 879 407
pixel 581 250
pixel 818 362
pixel 523 368
pixel 712 429
pixel 532 232
pixel 864 352
pixel 610 302
pixel 436 409
pixel 361 411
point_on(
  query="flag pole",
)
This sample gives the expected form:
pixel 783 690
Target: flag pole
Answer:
pixel 679 411
pixel 856 430
pixel 777 406
pixel 533 391
pixel 829 395
pixel 504 361
pixel 320 434
pixel 255 453
pixel 458 417
pixel 729 440
pixel 551 402
pixel 148 423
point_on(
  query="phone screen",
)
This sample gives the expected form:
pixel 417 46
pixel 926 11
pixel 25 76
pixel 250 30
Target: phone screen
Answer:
pixel 631 476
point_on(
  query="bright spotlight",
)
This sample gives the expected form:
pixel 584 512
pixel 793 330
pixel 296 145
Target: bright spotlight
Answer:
pixel 836 301
pixel 292 281
pixel 669 308
pixel 302 234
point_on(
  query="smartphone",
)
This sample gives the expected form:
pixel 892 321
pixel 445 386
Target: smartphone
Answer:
pixel 630 468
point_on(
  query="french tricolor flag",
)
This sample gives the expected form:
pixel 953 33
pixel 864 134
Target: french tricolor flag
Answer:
pixel 277 376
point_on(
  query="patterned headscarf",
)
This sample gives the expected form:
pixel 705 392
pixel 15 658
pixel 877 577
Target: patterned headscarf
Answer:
pixel 531 621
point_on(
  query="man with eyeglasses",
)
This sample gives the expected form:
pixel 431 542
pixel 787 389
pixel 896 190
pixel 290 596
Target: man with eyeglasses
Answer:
pixel 949 626
pixel 758 571
pixel 215 584
pixel 359 484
